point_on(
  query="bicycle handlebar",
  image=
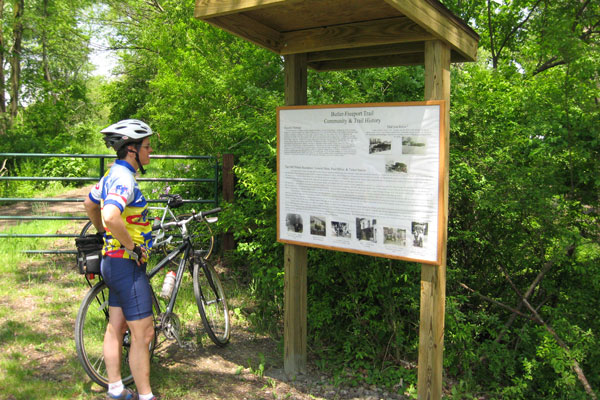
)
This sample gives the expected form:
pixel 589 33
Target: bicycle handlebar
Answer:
pixel 210 212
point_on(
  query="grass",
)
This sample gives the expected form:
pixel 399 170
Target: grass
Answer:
pixel 39 300
pixel 36 293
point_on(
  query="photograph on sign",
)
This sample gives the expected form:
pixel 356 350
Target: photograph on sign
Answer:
pixel 361 178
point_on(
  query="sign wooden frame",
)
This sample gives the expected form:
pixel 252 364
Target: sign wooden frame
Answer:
pixel 436 108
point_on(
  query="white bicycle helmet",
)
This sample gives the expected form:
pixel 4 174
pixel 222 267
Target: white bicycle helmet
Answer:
pixel 125 132
pixel 128 131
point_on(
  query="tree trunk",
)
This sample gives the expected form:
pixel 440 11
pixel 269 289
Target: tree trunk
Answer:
pixel 15 59
pixel 2 78
pixel 45 63
pixel 491 33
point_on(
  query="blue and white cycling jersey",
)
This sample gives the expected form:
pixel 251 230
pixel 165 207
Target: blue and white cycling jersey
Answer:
pixel 119 187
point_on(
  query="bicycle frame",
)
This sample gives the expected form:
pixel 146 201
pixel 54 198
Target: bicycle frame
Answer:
pixel 185 247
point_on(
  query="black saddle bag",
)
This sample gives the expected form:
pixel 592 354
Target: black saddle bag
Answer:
pixel 89 253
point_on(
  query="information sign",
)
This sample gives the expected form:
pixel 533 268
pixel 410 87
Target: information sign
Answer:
pixel 363 178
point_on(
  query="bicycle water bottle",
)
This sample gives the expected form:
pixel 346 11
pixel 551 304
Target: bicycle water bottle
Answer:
pixel 168 284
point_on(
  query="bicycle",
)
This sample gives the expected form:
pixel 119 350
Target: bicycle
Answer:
pixel 201 233
pixel 92 317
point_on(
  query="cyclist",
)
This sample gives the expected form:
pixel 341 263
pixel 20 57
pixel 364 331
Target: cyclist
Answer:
pixel 117 207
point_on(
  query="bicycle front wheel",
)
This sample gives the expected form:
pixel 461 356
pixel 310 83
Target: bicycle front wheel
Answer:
pixel 211 301
pixel 201 237
pixel 90 327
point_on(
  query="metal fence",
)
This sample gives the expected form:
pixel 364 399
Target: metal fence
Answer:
pixel 213 180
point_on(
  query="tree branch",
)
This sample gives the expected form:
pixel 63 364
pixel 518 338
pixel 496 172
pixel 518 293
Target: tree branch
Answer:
pixel 585 36
pixel 155 4
pixel 114 48
pixel 579 14
pixel 496 302
pixel 491 32
pixel 547 266
pixel 551 63
pixel 517 27
pixel 578 370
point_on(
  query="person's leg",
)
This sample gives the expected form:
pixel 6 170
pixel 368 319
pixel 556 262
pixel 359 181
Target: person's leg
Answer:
pixel 142 334
pixel 134 293
pixel 113 337
pixel 113 342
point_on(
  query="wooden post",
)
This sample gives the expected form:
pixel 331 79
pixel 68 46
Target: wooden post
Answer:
pixel 295 257
pixel 228 196
pixel 433 278
pixel 294 328
pixel 228 186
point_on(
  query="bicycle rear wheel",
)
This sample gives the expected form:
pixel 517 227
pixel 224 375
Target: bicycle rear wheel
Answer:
pixel 87 228
pixel 90 327
pixel 211 301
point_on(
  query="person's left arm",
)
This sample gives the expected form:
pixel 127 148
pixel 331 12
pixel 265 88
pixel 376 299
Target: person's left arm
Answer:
pixel 116 227
pixel 93 212
pixel 92 207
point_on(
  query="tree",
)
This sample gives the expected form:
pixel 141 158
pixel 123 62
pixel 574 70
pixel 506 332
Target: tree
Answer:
pixel 532 34
pixel 2 76
pixel 199 86
pixel 49 66
pixel 524 183
pixel 15 58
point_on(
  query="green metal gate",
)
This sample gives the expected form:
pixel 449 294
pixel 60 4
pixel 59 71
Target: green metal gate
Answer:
pixel 212 181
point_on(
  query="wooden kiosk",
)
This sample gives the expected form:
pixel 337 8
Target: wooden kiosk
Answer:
pixel 348 34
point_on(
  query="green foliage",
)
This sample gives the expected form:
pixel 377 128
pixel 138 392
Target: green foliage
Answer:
pixel 53 71
pixel 354 297
pixel 524 184
pixel 199 87
pixel 48 167
pixel 252 219
pixel 522 197
pixel 359 86
pixel 70 167
pixel 519 202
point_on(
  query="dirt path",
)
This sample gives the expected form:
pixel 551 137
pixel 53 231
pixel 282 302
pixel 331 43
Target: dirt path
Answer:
pixel 25 208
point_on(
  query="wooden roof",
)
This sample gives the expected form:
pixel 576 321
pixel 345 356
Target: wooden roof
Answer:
pixel 344 34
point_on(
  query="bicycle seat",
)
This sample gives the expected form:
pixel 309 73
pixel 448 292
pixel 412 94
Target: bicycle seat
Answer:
pixel 174 200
